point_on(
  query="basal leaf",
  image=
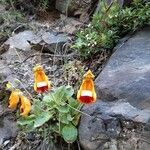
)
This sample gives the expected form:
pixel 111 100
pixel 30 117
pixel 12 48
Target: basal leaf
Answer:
pixel 63 118
pixel 69 91
pixel 63 109
pixel 26 121
pixel 69 133
pixel 69 118
pixel 42 118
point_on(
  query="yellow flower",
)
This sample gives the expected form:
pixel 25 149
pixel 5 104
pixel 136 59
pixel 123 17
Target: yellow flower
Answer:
pixel 86 93
pixel 41 82
pixel 25 107
pixel 14 99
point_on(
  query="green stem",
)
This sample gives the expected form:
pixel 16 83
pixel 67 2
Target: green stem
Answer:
pixel 79 111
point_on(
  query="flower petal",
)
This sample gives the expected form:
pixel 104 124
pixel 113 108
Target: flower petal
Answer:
pixel 25 107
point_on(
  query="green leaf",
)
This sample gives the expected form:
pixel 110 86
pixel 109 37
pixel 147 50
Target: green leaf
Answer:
pixel 49 100
pixel 48 97
pixel 26 124
pixel 62 93
pixel 69 133
pixel 63 109
pixel 69 118
pixel 26 121
pixel 63 118
pixel 42 118
pixel 37 107
pixel 69 91
pixel 59 94
pixel 73 102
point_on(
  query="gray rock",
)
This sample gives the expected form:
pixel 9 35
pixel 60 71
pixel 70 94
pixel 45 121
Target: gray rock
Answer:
pixel 55 42
pixel 127 73
pixel 51 38
pixel 96 130
pixel 120 119
pixel 115 122
pixel 27 40
pixel 8 128
pixel 20 40
pixel 11 72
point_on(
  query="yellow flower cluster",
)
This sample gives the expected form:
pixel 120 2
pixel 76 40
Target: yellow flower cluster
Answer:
pixel 16 97
pixel 86 93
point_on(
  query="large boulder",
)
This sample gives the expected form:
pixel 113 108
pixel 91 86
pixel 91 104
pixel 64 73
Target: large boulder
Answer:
pixel 127 73
pixel 120 119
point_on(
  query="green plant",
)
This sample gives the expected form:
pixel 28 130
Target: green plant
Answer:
pixel 56 115
pixel 39 5
pixel 44 4
pixel 9 20
pixel 110 23
pixel 12 17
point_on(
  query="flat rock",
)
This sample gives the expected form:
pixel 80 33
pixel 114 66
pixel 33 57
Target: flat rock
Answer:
pixel 127 73
pixel 27 39
pixel 55 42
pixel 21 39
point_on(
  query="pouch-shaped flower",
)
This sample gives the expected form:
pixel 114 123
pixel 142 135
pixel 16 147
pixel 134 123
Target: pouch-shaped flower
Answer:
pixel 25 107
pixel 41 82
pixel 14 99
pixel 86 93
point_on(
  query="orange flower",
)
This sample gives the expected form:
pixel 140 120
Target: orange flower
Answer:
pixel 86 93
pixel 42 84
pixel 25 107
pixel 14 99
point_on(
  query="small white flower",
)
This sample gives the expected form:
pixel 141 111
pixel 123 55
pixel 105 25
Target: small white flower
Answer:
pixel 87 36
pixel 89 24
